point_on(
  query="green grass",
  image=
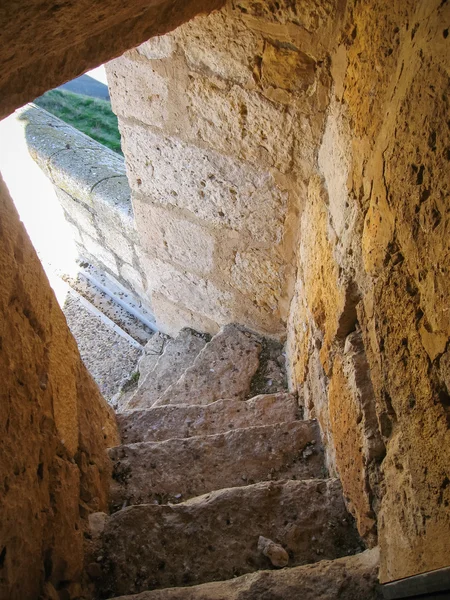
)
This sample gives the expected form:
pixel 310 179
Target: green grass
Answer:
pixel 92 116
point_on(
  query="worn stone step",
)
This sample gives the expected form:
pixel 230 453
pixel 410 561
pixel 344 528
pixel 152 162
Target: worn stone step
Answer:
pixel 348 578
pixel 179 354
pixel 215 536
pixel 183 421
pixel 178 469
pixel 223 369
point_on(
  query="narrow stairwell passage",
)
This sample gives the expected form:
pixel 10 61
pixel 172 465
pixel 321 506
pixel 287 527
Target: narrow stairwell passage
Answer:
pixel 205 470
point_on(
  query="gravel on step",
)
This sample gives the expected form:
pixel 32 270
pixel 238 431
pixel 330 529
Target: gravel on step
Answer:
pixel 109 357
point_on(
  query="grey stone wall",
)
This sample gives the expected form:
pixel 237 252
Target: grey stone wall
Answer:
pixel 92 187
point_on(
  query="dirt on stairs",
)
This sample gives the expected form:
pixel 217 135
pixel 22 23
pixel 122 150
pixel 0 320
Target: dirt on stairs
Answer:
pixel 206 471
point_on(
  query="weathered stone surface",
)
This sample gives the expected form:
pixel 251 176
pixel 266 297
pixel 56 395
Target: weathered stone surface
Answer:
pixel 137 92
pixel 98 254
pixel 171 317
pixel 157 47
pixel 242 122
pixel 54 427
pixel 215 536
pixel 222 45
pixel 178 469
pixel 375 259
pixel 173 173
pixel 118 244
pixel 178 355
pixel 356 436
pixel 257 274
pixel 224 369
pixel 286 68
pixel 78 213
pixel 73 161
pixel 174 238
pixel 274 552
pixel 197 294
pixel 183 421
pixel 77 39
pixel 152 351
pixel 348 578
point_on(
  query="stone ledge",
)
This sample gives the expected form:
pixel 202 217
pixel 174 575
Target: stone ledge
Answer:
pixel 92 187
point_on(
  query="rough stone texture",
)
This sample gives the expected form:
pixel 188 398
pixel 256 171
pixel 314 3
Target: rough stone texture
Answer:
pixel 75 37
pixel 373 258
pixel 181 421
pixel 215 536
pixel 358 444
pixel 54 428
pixel 220 123
pixel 349 578
pixel 178 355
pixel 109 357
pixel 152 351
pixel 223 369
pixel 178 469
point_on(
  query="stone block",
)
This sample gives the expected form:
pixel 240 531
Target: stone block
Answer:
pixel 77 213
pixel 158 47
pixel 221 45
pixel 101 256
pixel 257 275
pixel 111 200
pixel 46 135
pixel 242 123
pixel 171 317
pixel 191 291
pixel 355 433
pixel 307 15
pixel 287 69
pixel 218 189
pixel 138 91
pixel 118 244
pixel 78 171
pixel 132 277
pixel 164 234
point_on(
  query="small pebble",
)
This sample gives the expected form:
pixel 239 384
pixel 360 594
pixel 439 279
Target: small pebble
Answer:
pixel 274 552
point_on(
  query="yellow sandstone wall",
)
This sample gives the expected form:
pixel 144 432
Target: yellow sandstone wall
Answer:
pixel 369 324
pixel 54 429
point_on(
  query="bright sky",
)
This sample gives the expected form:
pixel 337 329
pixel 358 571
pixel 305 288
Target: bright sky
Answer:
pixel 99 74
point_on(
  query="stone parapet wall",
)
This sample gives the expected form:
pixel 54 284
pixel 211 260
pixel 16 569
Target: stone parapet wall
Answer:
pixel 91 184
pixel 220 123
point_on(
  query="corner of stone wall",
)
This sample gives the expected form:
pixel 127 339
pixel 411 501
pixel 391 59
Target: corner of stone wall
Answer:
pixel 220 122
pixel 368 335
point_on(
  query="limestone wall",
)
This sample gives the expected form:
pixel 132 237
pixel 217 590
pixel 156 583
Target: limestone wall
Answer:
pixel 54 428
pixel 369 323
pixel 220 124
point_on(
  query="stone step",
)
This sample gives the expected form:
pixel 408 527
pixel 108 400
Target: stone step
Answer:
pixel 178 469
pixel 178 355
pixel 348 578
pixel 184 421
pixel 215 536
pixel 223 369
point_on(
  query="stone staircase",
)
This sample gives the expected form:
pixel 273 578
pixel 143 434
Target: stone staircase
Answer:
pixel 215 488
